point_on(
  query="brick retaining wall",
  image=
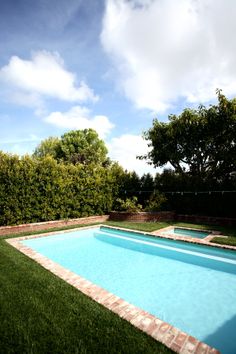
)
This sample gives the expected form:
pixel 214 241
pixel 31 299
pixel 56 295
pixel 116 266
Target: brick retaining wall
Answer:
pixel 119 216
pixel 6 230
pixel 142 216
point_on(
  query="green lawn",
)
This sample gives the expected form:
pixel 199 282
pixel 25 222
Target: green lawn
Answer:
pixel 231 241
pixel 40 313
pixel 152 226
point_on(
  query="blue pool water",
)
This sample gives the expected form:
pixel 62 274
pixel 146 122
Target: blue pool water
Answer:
pixel 189 286
pixel 187 233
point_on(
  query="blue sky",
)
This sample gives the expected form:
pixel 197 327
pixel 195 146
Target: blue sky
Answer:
pixel 111 65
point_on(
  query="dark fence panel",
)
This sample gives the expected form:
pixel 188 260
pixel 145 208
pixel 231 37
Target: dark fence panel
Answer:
pixel 213 203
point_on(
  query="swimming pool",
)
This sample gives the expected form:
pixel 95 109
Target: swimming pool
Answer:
pixel 180 231
pixel 189 286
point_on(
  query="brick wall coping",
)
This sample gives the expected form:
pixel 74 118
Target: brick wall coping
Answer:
pixel 6 230
pixel 180 342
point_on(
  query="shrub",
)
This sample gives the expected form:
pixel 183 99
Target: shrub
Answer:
pixel 129 204
pixel 156 201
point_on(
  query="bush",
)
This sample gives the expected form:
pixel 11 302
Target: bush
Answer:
pixel 156 201
pixel 129 204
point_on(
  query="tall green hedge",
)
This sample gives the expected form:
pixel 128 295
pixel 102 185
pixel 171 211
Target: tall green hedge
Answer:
pixel 33 190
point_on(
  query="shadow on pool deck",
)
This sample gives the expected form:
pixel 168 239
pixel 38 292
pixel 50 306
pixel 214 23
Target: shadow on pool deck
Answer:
pixel 224 339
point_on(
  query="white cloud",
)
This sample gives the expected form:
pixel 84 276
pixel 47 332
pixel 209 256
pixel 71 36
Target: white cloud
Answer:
pixel 80 118
pixel 166 50
pixel 125 148
pixel 44 75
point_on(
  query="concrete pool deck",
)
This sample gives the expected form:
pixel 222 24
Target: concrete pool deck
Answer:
pixel 173 338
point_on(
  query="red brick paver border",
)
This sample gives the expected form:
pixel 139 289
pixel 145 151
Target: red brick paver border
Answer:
pixel 163 332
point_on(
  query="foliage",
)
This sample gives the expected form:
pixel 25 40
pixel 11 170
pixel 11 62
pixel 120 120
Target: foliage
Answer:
pixel 34 190
pixel 48 146
pixel 198 142
pixel 156 201
pixel 146 183
pixel 82 146
pixel 129 204
pixel 130 183
pixel 75 146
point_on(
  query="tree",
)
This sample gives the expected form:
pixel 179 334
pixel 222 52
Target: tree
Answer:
pixel 48 146
pixel 82 146
pixel 75 146
pixel 199 142
pixel 147 182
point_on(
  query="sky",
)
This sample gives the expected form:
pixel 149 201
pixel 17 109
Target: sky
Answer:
pixel 110 65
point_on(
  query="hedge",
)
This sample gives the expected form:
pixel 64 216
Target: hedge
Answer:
pixel 33 190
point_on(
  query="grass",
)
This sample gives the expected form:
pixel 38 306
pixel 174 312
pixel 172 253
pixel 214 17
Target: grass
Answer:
pixel 140 226
pixel 152 226
pixel 40 313
pixel 231 241
pixel 149 227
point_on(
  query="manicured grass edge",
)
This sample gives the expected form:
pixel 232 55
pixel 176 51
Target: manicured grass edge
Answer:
pixel 230 241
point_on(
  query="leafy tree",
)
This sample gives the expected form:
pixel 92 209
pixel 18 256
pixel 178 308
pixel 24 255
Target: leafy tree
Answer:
pixel 199 142
pixel 156 201
pixel 147 182
pixel 75 146
pixel 82 146
pixel 131 183
pixel 48 146
pixel 129 205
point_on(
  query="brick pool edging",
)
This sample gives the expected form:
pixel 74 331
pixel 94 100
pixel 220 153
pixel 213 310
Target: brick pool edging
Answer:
pixel 175 339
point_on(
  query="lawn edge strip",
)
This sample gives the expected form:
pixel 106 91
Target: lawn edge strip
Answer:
pixel 172 337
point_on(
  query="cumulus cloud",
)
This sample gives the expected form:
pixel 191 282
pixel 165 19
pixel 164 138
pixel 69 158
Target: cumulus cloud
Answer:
pixel 165 50
pixel 80 118
pixel 44 75
pixel 125 148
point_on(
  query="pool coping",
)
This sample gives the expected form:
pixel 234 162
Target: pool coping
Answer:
pixel 172 337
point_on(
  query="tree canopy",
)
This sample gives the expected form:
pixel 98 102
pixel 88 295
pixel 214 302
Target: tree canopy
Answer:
pixel 75 146
pixel 200 142
pixel 48 146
